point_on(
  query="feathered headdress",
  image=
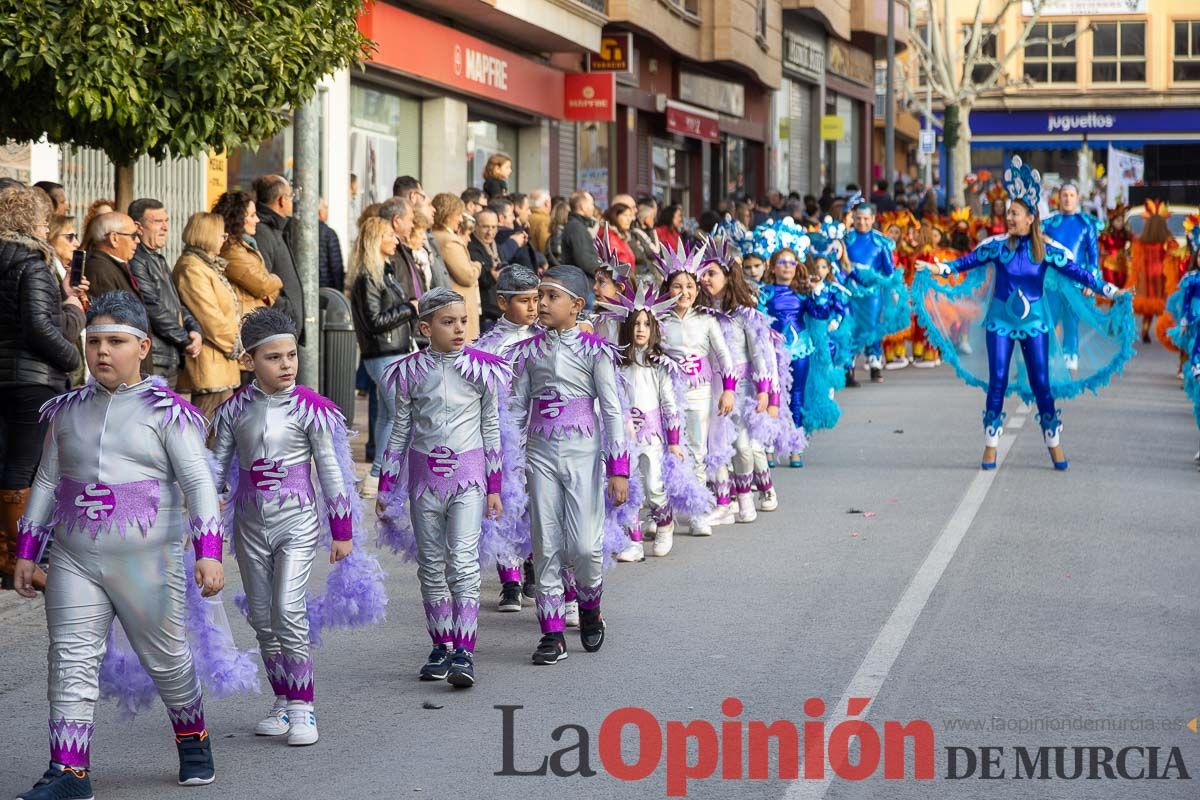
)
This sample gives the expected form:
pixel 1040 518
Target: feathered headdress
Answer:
pixel 775 235
pixel 684 258
pixel 1023 183
pixel 1118 212
pixel 728 242
pixel 1191 224
pixel 960 218
pixel 996 192
pixel 832 229
pixel 1158 207
pixel 631 300
pixel 608 257
pixel 902 219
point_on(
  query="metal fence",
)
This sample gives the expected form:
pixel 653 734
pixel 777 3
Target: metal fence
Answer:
pixel 179 183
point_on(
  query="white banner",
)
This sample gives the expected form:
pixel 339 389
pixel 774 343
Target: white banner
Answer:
pixel 1124 170
pixel 1083 8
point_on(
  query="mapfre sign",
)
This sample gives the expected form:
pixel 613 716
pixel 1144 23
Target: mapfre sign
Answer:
pixel 590 97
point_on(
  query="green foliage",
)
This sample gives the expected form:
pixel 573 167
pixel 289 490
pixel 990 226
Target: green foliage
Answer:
pixel 166 76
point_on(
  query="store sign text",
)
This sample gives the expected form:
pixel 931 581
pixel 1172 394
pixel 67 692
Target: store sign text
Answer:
pixel 482 68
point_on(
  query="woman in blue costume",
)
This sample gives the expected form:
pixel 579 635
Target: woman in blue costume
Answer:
pixel 1013 292
pixel 1184 304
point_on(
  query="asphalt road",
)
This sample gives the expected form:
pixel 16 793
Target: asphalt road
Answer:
pixel 1020 608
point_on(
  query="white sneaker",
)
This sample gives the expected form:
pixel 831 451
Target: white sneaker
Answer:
pixel 899 363
pixel 964 347
pixel 276 722
pixel 874 362
pixel 369 488
pixel 664 540
pixel 649 529
pixel 702 525
pixel 746 511
pixel 768 500
pixel 925 363
pixel 303 722
pixel 1072 363
pixel 571 614
pixel 635 552
pixel 724 515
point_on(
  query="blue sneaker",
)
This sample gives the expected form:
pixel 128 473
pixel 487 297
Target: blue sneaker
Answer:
pixel 195 759
pixel 61 783
pixel 437 666
pixel 462 669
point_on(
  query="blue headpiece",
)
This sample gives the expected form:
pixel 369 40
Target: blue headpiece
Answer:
pixel 737 240
pixel 775 235
pixel 1023 183
pixel 1193 237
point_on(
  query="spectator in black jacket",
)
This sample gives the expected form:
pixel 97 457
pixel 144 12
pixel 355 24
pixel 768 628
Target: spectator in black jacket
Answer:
pixel 482 248
pixel 329 252
pixel 273 201
pixel 578 235
pixel 174 332
pixel 40 322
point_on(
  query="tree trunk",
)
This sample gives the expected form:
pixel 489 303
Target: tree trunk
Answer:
pixel 123 186
pixel 960 156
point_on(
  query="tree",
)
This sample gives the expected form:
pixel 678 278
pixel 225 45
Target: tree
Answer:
pixel 959 77
pixel 178 78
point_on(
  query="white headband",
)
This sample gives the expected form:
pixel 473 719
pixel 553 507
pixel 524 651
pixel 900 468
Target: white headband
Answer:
pixel 137 333
pixel 519 291
pixel 270 338
pixel 560 287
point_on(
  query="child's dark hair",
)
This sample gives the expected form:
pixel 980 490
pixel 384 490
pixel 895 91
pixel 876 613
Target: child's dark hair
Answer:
pixel 262 323
pixel 653 346
pixel 122 308
pixel 737 292
pixel 811 271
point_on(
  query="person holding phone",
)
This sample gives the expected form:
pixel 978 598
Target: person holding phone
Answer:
pixel 41 318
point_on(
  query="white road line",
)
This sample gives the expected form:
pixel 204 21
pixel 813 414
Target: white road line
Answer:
pixel 878 662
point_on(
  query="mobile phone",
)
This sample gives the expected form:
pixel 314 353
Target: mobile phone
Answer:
pixel 77 259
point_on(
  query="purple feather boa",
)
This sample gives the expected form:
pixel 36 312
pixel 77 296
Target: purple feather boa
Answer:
pixel 223 670
pixel 508 537
pixel 685 494
pixel 395 530
pixel 780 433
pixel 618 520
pixel 721 435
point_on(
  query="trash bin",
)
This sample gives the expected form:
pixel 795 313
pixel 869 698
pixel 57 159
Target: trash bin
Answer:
pixel 339 352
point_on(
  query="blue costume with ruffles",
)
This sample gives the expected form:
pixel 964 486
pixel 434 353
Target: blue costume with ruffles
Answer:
pixel 1079 233
pixel 879 299
pixel 803 321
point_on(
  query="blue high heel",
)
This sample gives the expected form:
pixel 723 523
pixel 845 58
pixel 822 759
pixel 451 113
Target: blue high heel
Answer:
pixel 796 462
pixel 988 464
pixel 1061 466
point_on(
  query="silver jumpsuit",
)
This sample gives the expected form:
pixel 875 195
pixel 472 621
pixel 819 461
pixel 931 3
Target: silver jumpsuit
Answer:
pixel 110 488
pixel 697 343
pixel 657 423
pixel 275 439
pixel 447 428
pixel 560 377
pixel 756 372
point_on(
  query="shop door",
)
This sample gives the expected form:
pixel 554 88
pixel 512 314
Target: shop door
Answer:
pixel 800 139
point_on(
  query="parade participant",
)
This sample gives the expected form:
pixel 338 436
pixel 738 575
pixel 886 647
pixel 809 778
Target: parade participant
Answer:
pixel 122 454
pixel 933 232
pixel 562 373
pixel 267 436
pixel 517 296
pixel 1114 244
pixel 1017 315
pixel 996 222
pixel 611 278
pixel 879 299
pixel 1077 231
pixel 657 394
pixel 754 267
pixel 898 226
pixel 806 309
pixel 692 336
pixel 1185 304
pixel 443 461
pixel 1154 268
pixel 752 350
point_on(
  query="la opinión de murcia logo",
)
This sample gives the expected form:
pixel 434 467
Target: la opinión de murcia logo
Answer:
pixel 633 744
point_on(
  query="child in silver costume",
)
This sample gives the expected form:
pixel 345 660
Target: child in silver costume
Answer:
pixel 561 374
pixel 275 429
pixel 447 435
pixel 122 454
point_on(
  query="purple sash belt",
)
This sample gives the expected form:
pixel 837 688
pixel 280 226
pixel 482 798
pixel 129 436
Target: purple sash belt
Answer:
pixel 267 479
pixel 697 369
pixel 94 507
pixel 646 424
pixel 445 472
pixel 553 414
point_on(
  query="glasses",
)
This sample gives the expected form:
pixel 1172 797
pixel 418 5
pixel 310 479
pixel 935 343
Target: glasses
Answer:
pixel 71 237
pixel 786 262
pixel 137 237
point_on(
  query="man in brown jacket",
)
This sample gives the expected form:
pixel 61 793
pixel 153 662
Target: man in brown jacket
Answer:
pixel 114 242
pixel 539 219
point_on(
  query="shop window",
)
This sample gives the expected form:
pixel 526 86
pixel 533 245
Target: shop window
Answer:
pixel 1186 66
pixel 1119 52
pixel 922 32
pixel 485 138
pixel 385 143
pixel 670 167
pixel 986 62
pixel 1048 59
pixel 760 22
pixel 594 157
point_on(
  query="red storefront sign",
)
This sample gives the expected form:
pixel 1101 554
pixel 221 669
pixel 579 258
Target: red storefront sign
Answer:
pixel 421 47
pixel 590 97
pixel 691 121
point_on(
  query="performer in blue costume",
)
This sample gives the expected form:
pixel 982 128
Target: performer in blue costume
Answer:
pixel 1017 315
pixel 1184 305
pixel 879 302
pixel 1079 232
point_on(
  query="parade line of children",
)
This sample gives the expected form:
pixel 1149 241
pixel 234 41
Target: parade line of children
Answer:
pixel 592 423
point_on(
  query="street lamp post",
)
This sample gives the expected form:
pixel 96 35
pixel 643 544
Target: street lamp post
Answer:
pixel 889 113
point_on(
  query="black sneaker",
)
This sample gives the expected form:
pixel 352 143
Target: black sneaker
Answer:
pixel 462 669
pixel 851 381
pixel 437 666
pixel 591 629
pixel 876 375
pixel 195 759
pixel 61 783
pixel 529 585
pixel 550 650
pixel 510 597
